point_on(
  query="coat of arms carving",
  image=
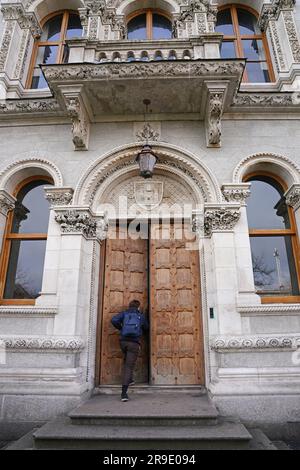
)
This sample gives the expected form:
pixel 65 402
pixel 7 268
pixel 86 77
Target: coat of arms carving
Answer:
pixel 148 194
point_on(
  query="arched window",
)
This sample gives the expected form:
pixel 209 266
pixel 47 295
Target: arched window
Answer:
pixel 273 238
pixel 149 24
pixel 51 48
pixel 243 38
pixel 25 243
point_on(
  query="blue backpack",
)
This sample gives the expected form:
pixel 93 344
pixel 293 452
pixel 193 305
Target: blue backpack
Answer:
pixel 132 324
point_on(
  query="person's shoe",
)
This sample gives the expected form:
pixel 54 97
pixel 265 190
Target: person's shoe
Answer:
pixel 132 383
pixel 124 397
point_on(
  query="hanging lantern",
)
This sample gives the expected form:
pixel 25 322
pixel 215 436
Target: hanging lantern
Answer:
pixel 146 160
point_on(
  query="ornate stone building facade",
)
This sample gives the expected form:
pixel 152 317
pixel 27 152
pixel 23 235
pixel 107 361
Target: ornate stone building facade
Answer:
pixel 223 121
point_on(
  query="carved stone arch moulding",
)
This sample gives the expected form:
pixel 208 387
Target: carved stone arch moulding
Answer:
pixel 21 169
pixel 170 158
pixel 284 167
pixel 123 6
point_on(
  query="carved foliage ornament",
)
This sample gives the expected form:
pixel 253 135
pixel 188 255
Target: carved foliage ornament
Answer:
pixel 74 221
pixel 214 114
pixel 80 121
pixel 293 197
pixel 59 196
pixel 26 20
pixel 220 219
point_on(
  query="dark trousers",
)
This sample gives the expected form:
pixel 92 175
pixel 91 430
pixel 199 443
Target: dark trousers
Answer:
pixel 130 351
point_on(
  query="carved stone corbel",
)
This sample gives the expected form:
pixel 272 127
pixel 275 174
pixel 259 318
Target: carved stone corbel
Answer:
pixel 216 94
pixel 292 196
pixel 7 202
pixel 220 218
pixel 77 111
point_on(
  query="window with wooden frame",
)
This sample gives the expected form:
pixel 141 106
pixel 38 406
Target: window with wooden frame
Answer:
pixel 244 39
pixel 22 259
pixel 274 241
pixel 51 47
pixel 149 24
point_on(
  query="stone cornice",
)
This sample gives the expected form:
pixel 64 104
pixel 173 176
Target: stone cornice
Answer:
pixel 266 100
pixel 42 343
pixel 24 311
pixel 271 309
pixel 30 106
pixel 179 68
pixel 245 343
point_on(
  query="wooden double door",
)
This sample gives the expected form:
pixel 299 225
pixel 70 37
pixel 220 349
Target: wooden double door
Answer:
pixel 159 269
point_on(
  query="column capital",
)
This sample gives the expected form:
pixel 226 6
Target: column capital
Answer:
pixel 59 196
pixel 271 11
pixel 236 193
pixel 81 221
pixel 292 196
pixel 7 202
pixel 220 217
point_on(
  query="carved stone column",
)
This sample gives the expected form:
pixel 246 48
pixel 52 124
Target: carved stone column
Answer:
pixel 76 105
pixel 21 28
pixel 7 204
pixel 81 235
pixel 196 17
pixel 278 21
pixel 102 22
pixel 238 194
pixel 220 222
pixel 216 93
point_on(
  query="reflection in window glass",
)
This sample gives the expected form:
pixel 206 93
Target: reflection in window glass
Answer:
pixel 224 23
pixel 247 22
pixel 137 27
pixel 26 264
pixel 263 208
pixel 162 27
pixel 32 210
pixel 273 265
pixel 228 50
pixel 52 29
pixel 258 72
pixel 74 27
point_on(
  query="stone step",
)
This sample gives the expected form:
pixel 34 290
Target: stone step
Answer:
pixel 152 389
pixel 173 409
pixel 62 434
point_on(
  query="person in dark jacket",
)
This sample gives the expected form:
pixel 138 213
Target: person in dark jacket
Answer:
pixel 130 345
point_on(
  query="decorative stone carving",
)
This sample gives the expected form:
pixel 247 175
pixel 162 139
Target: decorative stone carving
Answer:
pixel 271 309
pixel 236 193
pixel 24 311
pixel 271 12
pixel 256 342
pixel 292 196
pixel 7 202
pixel 142 70
pixel 277 47
pixel 292 34
pixel 26 20
pixel 75 221
pixel 147 133
pixel 198 223
pixel 214 111
pixel 220 219
pixel 81 221
pixel 6 40
pixel 77 112
pixel 30 106
pixel 44 343
pixel 264 100
pixel 59 196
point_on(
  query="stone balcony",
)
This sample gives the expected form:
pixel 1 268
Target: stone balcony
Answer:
pixel 206 46
pixel 105 80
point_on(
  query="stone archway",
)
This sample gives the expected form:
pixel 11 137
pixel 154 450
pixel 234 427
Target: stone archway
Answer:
pixel 159 271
